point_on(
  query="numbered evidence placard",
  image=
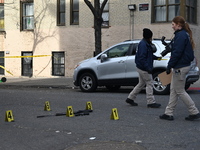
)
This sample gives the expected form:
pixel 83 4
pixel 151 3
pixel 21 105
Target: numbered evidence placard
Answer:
pixel 89 106
pixel 70 112
pixel 47 106
pixel 114 114
pixel 9 116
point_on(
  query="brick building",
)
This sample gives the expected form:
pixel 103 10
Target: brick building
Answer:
pixel 57 34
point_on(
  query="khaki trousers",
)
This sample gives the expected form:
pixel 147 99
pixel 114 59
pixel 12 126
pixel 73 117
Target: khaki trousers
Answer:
pixel 177 90
pixel 144 79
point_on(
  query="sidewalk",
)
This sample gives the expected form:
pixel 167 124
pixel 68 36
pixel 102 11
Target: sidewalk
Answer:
pixel 62 83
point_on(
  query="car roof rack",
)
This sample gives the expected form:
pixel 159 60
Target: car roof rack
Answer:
pixel 160 39
pixel 127 40
pixel 133 40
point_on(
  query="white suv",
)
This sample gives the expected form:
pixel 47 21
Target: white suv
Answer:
pixel 116 67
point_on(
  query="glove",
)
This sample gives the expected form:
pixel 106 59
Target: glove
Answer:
pixel 159 58
pixel 168 70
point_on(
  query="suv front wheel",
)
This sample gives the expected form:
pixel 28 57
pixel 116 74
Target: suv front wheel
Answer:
pixel 87 82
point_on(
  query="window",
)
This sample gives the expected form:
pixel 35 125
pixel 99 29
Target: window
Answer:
pixel 1 16
pixel 2 63
pixel 118 51
pixel 105 15
pixel 58 64
pixel 134 48
pixel 74 12
pixel 60 12
pixel 166 10
pixel 27 15
pixel 191 9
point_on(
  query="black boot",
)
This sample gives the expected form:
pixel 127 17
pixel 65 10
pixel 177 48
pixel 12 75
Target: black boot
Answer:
pixel 166 117
pixel 131 102
pixel 193 117
pixel 154 105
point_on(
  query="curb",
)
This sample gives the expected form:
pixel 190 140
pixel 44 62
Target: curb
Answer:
pixel 38 86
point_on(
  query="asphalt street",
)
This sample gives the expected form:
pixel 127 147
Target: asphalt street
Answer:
pixel 138 128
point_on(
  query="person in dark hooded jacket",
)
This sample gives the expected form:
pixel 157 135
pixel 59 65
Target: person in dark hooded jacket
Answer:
pixel 144 62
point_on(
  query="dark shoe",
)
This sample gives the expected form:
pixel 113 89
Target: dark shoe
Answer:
pixel 193 117
pixel 154 105
pixel 167 117
pixel 131 102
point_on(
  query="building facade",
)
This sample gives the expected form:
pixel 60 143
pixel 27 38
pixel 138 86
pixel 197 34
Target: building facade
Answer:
pixel 47 38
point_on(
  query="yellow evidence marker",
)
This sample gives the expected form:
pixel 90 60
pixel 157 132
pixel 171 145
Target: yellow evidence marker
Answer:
pixel 114 114
pixel 9 116
pixel 70 112
pixel 47 106
pixel 89 106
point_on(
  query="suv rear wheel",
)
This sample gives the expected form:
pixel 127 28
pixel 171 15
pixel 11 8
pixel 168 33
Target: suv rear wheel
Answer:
pixel 158 88
pixel 87 82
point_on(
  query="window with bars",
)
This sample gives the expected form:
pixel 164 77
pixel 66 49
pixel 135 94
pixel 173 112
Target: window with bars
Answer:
pixel 58 63
pixel 166 10
pixel 61 12
pixel 105 15
pixel 27 15
pixel 74 19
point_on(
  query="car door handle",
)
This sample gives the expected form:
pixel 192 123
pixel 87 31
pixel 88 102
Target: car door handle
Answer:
pixel 121 61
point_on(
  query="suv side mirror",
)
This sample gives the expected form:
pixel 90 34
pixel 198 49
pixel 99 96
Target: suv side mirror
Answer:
pixel 103 57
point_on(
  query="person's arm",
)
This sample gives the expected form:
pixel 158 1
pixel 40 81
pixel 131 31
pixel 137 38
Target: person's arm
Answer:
pixel 142 55
pixel 177 51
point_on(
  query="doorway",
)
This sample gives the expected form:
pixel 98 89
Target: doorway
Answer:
pixel 27 64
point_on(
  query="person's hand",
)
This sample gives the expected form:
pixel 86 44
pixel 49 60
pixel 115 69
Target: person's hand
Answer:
pixel 159 58
pixel 168 70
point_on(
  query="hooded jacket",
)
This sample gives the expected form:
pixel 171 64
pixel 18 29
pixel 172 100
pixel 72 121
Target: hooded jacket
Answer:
pixel 144 56
pixel 182 52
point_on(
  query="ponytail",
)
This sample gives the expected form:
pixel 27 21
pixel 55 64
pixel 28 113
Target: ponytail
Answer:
pixel 181 21
pixel 187 28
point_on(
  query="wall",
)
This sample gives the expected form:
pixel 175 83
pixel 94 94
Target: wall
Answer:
pixel 77 41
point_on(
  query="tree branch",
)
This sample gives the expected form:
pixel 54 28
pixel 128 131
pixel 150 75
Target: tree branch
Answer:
pixel 88 3
pixel 103 5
